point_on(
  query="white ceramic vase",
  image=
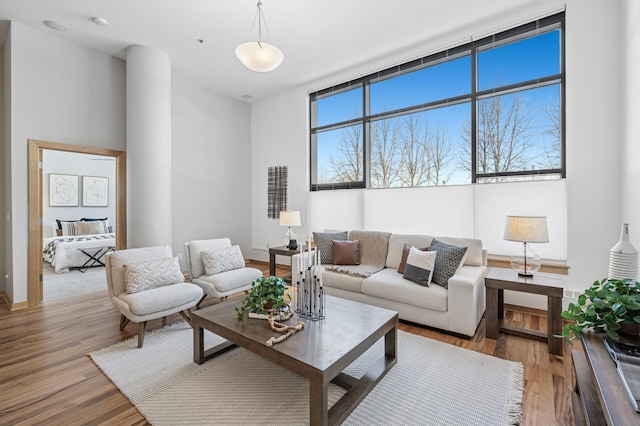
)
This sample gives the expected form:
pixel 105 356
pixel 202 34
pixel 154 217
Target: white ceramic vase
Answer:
pixel 623 258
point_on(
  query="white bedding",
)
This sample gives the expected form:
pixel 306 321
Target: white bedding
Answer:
pixel 63 252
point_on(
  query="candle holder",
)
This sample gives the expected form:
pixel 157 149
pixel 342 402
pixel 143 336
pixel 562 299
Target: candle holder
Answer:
pixel 309 291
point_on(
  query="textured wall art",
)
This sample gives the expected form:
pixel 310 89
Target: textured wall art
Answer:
pixel 95 191
pixel 63 190
pixel 277 180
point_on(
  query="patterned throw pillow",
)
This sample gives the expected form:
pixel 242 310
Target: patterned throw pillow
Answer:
pixel 420 265
pixel 70 228
pixel 150 274
pixel 448 260
pixel 324 244
pixel 222 259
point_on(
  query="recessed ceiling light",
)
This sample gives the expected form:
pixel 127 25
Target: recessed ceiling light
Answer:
pixel 54 25
pixel 200 41
pixel 100 21
pixel 247 97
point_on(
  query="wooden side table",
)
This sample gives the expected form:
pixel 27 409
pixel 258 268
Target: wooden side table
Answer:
pixel 281 251
pixel 500 279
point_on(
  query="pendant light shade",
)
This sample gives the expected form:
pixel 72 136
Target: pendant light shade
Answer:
pixel 257 55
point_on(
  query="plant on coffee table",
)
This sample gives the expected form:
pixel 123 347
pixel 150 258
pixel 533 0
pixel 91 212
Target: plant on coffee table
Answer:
pixel 266 294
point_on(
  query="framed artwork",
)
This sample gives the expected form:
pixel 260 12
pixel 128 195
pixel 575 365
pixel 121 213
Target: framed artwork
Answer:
pixel 95 191
pixel 63 190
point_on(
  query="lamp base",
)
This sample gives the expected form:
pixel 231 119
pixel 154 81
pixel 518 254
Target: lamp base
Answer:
pixel 293 244
pixel 525 262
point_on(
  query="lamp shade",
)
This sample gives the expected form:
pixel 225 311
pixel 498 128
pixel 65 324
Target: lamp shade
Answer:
pixel 259 56
pixel 527 229
pixel 290 218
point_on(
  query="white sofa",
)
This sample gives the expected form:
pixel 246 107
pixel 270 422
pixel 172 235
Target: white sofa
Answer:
pixel 457 309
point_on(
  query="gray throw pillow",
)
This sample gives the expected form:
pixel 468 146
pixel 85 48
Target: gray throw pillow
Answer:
pixel 325 245
pixel 448 260
pixel 419 267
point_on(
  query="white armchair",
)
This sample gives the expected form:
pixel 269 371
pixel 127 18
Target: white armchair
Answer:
pixel 218 267
pixel 147 283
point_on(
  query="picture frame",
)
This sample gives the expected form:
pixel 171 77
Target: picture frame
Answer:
pixel 63 190
pixel 95 191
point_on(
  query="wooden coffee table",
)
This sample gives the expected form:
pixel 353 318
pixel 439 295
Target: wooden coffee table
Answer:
pixel 319 352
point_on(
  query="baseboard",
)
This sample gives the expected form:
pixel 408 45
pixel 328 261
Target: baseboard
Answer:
pixel 13 306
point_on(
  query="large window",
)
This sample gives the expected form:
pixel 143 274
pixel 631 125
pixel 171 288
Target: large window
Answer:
pixel 488 111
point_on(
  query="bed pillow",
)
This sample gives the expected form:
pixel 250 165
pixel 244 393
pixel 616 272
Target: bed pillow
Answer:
pixel 89 228
pixel 69 228
pixel 448 261
pixel 150 274
pixel 102 220
pixel 346 252
pixel 420 266
pixel 222 260
pixel 324 243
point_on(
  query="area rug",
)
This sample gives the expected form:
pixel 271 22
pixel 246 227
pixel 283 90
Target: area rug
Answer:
pixel 433 383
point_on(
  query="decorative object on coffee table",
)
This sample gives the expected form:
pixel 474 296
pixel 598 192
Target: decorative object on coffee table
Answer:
pixel 309 300
pixel 526 229
pixel 623 258
pixel 267 296
pixel 609 306
pixel 290 218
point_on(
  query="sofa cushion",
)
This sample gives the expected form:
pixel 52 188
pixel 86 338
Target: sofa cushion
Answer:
pixel 341 280
pixel 388 284
pixel 474 249
pixel 419 268
pixel 346 252
pixel 405 254
pixel 148 274
pixel 448 259
pixel 324 244
pixel 197 246
pixel 373 246
pixel 396 246
pixel 222 259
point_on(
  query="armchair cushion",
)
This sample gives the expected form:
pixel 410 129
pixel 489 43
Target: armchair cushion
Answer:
pixel 222 259
pixel 228 281
pixel 150 274
pixel 157 300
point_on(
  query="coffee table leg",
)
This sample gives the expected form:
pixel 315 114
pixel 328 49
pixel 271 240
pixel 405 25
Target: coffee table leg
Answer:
pixel 198 343
pixel 318 403
pixel 391 343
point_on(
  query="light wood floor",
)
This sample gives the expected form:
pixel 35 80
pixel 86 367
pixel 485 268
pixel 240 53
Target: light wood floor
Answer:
pixel 46 377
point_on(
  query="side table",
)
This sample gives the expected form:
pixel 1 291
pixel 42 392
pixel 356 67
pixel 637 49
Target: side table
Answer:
pixel 281 251
pixel 500 279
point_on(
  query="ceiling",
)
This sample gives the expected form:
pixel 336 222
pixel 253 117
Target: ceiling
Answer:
pixel 319 38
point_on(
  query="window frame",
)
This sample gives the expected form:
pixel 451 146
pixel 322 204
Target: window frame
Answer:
pixel 473 48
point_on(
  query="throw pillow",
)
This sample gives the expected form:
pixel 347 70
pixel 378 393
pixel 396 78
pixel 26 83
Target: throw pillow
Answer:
pixel 346 252
pixel 70 228
pixel 150 274
pixel 89 228
pixel 420 265
pixel 405 253
pixel 324 244
pixel 448 260
pixel 222 259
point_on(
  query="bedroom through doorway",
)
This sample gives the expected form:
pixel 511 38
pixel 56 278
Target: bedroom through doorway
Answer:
pixel 78 212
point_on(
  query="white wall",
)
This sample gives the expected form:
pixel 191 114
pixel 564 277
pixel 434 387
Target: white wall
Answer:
pixel 60 92
pixel 2 168
pixel 279 127
pixel 73 163
pixel 212 169
pixel 630 89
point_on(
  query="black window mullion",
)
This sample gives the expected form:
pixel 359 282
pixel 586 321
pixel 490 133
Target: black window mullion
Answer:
pixel 474 118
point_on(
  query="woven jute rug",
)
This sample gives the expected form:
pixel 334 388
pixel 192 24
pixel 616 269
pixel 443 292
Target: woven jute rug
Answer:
pixel 433 383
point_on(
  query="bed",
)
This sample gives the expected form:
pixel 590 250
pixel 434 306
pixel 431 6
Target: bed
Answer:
pixel 76 251
pixel 83 244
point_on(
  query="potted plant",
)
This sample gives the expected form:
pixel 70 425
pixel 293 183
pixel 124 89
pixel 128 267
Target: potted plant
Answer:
pixel 610 306
pixel 266 294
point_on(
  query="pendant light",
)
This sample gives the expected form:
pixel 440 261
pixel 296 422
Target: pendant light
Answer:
pixel 259 56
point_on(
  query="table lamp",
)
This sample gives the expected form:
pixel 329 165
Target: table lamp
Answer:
pixel 290 218
pixel 526 229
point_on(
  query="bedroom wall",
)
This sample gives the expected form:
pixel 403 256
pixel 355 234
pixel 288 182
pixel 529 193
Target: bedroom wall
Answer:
pixel 2 168
pixel 85 106
pixel 592 137
pixel 72 163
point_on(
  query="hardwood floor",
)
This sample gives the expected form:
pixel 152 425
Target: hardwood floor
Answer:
pixel 47 378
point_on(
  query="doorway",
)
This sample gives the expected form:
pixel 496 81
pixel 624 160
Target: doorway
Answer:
pixel 35 285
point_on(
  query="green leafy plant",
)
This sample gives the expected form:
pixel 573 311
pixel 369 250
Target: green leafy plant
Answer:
pixel 604 307
pixel 266 293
